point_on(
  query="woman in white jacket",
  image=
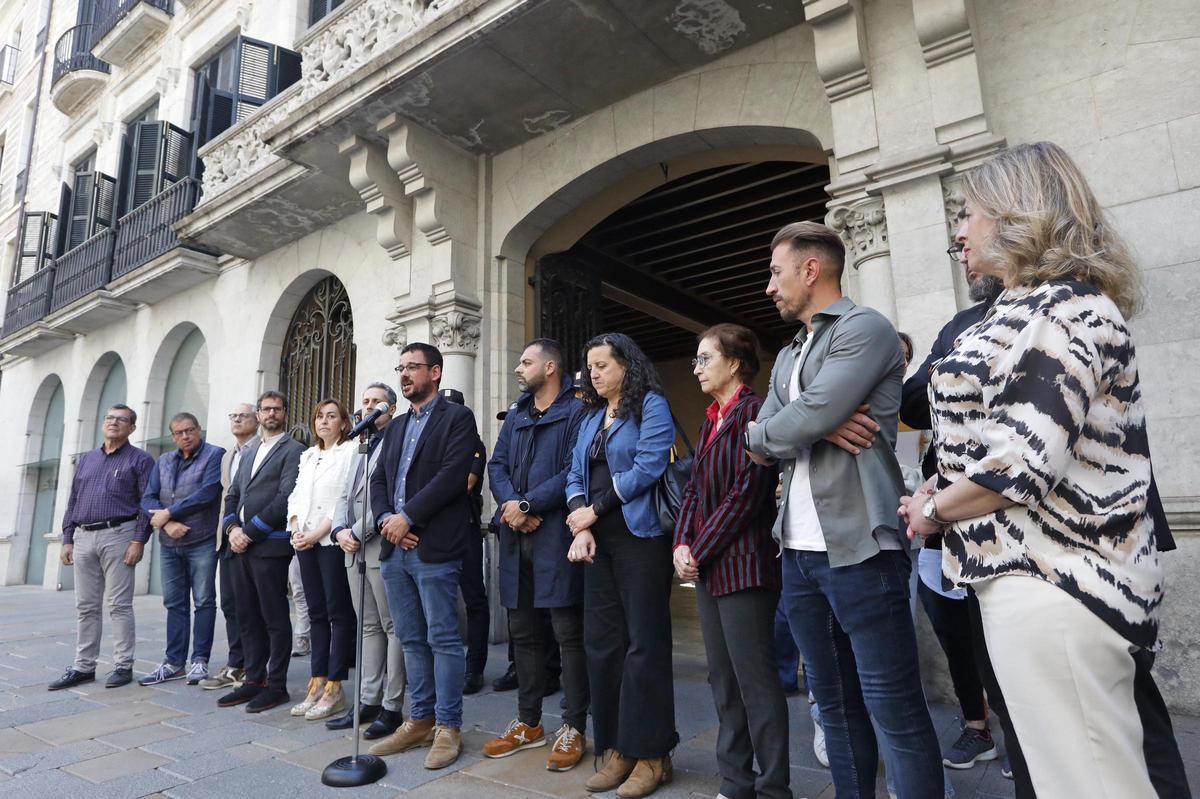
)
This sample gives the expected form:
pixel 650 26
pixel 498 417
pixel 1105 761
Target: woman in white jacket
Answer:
pixel 321 481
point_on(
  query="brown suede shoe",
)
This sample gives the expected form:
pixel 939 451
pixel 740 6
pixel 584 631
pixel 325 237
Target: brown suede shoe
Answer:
pixel 412 734
pixel 518 736
pixel 447 746
pixel 614 772
pixel 646 777
pixel 567 750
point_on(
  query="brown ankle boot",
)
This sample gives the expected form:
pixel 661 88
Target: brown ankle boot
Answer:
pixel 616 770
pixel 412 733
pixel 646 777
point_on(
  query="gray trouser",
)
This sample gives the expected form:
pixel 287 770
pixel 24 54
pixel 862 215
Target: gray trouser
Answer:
pixel 301 626
pixel 382 654
pixel 100 572
pixel 738 629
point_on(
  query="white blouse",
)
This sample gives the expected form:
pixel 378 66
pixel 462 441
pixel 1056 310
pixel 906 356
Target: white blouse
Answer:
pixel 319 484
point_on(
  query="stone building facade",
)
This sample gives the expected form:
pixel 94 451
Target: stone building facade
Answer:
pixel 400 170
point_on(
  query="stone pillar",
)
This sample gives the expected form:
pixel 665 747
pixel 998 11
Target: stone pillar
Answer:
pixel 951 68
pixel 456 334
pixel 862 224
pixel 952 201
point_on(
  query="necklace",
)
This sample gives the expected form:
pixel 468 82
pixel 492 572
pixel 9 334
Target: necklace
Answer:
pixel 612 412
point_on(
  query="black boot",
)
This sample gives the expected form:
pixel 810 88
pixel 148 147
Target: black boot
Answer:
pixel 387 723
pixel 507 682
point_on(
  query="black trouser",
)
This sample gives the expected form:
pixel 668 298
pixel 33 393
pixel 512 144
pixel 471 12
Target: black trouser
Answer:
pixel 332 622
pixel 739 629
pixel 475 598
pixel 627 637
pixel 1016 760
pixel 553 656
pixel 1158 738
pixel 528 631
pixel 236 659
pixel 264 618
pixel 951 622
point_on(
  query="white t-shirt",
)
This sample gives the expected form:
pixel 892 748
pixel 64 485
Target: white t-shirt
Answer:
pixel 801 526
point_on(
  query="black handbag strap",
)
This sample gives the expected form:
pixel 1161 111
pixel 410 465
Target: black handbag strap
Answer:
pixel 679 429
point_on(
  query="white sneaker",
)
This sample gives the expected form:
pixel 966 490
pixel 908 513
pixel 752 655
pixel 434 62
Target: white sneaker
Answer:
pixel 818 737
pixel 197 672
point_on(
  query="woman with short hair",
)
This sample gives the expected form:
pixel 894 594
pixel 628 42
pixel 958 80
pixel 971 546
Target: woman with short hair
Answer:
pixel 1044 471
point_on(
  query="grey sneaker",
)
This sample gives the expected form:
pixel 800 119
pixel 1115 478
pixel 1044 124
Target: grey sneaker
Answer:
pixel 970 748
pixel 227 678
pixel 1006 768
pixel 301 646
pixel 197 672
pixel 163 673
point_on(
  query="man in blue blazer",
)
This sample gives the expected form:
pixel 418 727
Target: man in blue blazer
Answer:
pixel 418 498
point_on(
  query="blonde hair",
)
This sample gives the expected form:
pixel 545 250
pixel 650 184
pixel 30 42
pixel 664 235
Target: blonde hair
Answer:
pixel 1049 225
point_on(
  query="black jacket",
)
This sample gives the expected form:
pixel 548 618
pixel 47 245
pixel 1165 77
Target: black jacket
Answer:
pixel 435 495
pixel 914 412
pixel 262 498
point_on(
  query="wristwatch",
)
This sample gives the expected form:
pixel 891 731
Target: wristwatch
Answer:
pixel 523 505
pixel 929 511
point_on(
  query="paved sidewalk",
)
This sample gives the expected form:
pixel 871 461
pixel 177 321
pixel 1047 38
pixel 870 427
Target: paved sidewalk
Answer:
pixel 172 740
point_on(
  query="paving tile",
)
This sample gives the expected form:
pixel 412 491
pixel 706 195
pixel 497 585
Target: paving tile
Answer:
pixel 527 770
pixel 462 786
pixel 49 784
pixel 210 763
pixel 118 764
pixel 14 742
pixel 103 721
pixel 140 736
pixel 271 778
pixel 208 740
pixel 51 709
pixel 53 758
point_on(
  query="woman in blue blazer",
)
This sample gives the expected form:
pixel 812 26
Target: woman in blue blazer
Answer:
pixel 622 450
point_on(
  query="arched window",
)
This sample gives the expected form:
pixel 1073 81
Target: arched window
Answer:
pixel 318 353
pixel 111 393
pixel 186 389
pixel 44 473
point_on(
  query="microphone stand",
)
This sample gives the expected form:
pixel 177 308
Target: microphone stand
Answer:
pixel 358 770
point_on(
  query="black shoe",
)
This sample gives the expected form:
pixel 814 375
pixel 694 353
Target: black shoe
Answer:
pixel 552 686
pixel 119 677
pixel 507 682
pixel 268 698
pixel 473 684
pixel 240 695
pixel 388 722
pixel 70 679
pixel 562 703
pixel 366 714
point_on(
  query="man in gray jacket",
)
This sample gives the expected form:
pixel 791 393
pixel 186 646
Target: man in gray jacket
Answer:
pixel 845 566
pixel 355 532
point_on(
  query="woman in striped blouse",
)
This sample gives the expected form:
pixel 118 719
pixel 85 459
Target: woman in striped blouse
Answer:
pixel 1044 470
pixel 723 544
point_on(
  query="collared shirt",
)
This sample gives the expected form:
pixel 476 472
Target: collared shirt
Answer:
pixel 109 485
pixel 209 491
pixel 264 447
pixel 417 419
pixel 715 411
pixel 238 451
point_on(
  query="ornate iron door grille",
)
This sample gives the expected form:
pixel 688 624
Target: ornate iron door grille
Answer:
pixel 318 354
pixel 567 304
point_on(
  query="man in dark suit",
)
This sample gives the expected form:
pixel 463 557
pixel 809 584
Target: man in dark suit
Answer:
pixel 255 523
pixel 418 499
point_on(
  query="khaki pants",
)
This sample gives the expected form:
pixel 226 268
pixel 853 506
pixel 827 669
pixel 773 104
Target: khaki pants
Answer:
pixel 100 572
pixel 1068 680
pixel 383 657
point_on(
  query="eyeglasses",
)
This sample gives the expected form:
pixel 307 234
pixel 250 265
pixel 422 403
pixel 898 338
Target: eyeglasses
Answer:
pixel 121 419
pixel 271 409
pixel 234 417
pixel 410 368
pixel 702 361
pixel 187 431
pixel 955 252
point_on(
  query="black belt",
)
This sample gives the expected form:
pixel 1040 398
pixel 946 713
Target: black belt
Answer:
pixel 107 523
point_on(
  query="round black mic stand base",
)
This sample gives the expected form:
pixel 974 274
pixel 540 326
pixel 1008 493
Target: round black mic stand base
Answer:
pixel 352 771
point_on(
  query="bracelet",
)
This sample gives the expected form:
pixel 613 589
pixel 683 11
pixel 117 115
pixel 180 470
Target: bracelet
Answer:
pixel 938 520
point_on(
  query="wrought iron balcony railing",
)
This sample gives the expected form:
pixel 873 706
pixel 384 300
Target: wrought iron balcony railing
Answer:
pixel 145 233
pixel 28 301
pixel 73 52
pixel 85 269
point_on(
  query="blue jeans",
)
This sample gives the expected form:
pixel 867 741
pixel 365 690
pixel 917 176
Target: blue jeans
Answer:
pixel 787 656
pixel 423 600
pixel 189 576
pixel 856 632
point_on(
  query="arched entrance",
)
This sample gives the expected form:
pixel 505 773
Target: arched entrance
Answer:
pixel 318 358
pixel 41 476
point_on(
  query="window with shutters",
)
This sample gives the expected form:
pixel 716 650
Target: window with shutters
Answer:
pixel 37 243
pixel 159 157
pixel 243 76
pixel 87 204
pixel 318 9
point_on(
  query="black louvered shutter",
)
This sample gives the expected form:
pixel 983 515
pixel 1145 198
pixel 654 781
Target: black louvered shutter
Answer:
pixel 176 155
pixel 62 230
pixel 124 174
pixel 146 165
pixel 37 241
pixel 255 67
pixel 287 69
pixel 81 211
pixel 104 203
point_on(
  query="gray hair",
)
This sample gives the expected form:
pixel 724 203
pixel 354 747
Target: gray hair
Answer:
pixel 391 392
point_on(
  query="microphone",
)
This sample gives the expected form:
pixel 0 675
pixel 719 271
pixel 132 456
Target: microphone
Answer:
pixel 369 421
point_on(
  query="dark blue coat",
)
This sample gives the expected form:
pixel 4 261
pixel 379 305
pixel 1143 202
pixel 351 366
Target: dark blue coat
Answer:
pixel 557 582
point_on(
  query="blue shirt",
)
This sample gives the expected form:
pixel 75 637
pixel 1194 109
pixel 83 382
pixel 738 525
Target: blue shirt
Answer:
pixel 417 420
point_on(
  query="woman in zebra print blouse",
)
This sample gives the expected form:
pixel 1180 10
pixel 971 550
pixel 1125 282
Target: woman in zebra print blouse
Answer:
pixel 1044 469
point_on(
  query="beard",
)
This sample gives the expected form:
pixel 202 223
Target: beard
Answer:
pixel 531 385
pixel 986 288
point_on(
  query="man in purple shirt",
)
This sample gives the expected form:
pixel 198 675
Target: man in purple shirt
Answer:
pixel 104 534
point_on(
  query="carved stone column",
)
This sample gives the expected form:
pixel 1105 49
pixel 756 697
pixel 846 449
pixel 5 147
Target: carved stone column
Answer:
pixel 456 334
pixel 952 200
pixel 863 227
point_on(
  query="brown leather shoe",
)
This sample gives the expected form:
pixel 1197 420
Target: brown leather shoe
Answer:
pixel 614 772
pixel 412 734
pixel 567 750
pixel 447 746
pixel 518 736
pixel 646 777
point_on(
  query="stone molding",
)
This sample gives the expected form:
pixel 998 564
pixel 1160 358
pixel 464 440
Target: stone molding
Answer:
pixel 455 332
pixel 383 193
pixel 840 46
pixel 943 29
pixel 396 335
pixel 230 160
pixel 953 201
pixel 862 226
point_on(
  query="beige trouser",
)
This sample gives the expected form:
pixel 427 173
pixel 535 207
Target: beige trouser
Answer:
pixel 1068 680
pixel 100 571
pixel 383 657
